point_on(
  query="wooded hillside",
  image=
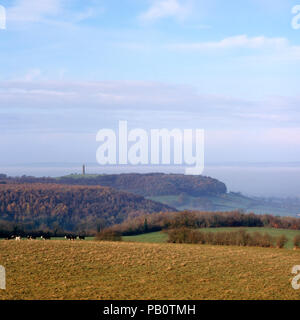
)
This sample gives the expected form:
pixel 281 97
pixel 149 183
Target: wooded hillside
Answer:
pixel 154 184
pixel 50 206
pixel 147 185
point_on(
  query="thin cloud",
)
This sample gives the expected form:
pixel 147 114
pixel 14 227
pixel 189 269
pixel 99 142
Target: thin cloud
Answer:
pixel 141 97
pixel 235 42
pixel 34 11
pixel 49 11
pixel 125 95
pixel 261 49
pixel 166 9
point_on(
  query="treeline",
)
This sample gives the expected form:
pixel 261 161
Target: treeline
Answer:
pixel 50 207
pixel 195 219
pixel 24 229
pixel 234 238
pixel 147 185
pixel 8 229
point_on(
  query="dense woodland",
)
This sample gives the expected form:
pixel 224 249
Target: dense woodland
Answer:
pixel 150 185
pixel 51 207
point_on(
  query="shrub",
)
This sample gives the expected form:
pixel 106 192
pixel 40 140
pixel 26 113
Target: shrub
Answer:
pixel 180 235
pixel 262 240
pixel 297 241
pixel 281 241
pixel 195 236
pixel 109 235
pixel 239 238
pixel 242 238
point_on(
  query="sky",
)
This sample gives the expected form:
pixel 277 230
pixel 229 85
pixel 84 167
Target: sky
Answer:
pixel 69 68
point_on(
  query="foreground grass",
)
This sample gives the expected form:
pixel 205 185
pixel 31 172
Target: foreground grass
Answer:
pixel 105 270
pixel 161 237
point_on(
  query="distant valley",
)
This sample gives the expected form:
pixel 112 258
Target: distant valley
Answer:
pixel 92 202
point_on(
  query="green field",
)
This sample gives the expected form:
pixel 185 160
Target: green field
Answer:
pixel 160 237
pixel 154 237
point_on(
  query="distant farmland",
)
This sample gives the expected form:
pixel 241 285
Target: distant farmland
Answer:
pixel 161 237
pixel 228 202
pixel 98 270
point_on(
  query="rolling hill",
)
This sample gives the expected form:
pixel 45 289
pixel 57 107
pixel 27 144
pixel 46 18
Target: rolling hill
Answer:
pixel 52 206
pixel 188 192
pixel 176 190
pixel 152 184
pixel 232 201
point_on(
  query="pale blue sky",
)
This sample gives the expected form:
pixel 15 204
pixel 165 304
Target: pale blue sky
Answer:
pixel 69 68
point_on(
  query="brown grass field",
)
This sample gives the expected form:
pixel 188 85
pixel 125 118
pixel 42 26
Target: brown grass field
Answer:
pixel 103 270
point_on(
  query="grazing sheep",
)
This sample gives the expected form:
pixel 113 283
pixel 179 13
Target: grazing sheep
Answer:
pixel 45 237
pixel 31 237
pixel 11 238
pixel 70 237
